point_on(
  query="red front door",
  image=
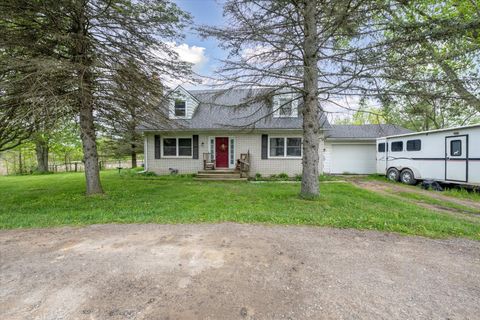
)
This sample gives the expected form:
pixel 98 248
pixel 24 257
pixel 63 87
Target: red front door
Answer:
pixel 221 152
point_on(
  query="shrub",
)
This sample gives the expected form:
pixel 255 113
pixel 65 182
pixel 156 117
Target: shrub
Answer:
pixel 298 177
pixel 283 176
pixel 258 176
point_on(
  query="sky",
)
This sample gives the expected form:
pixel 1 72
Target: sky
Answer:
pixel 206 53
pixel 203 53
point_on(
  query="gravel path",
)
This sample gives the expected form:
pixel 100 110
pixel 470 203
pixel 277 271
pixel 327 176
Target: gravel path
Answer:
pixel 394 190
pixel 232 271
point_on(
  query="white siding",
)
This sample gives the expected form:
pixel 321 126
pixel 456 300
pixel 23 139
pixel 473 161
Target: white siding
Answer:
pixel 244 143
pixel 190 103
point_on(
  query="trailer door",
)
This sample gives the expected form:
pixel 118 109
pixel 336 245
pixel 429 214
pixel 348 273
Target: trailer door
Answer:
pixel 456 158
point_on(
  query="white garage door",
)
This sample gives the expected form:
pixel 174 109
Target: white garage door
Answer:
pixel 353 158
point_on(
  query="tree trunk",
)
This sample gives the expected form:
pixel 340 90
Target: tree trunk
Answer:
pixel 41 150
pixel 134 156
pixel 90 154
pixel 85 101
pixel 311 123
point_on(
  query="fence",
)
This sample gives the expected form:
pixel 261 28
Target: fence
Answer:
pixel 78 166
pixel 75 166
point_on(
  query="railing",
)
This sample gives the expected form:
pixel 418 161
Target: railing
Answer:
pixel 243 164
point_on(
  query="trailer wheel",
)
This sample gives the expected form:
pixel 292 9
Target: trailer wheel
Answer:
pixel 407 177
pixel 393 174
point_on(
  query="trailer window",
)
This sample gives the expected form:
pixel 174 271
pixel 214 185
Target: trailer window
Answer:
pixel 397 146
pixel 456 148
pixel 381 147
pixel 414 145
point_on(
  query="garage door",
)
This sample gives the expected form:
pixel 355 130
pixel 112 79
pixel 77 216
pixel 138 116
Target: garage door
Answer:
pixel 353 158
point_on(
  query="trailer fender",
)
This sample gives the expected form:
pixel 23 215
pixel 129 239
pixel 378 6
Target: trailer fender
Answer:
pixel 416 172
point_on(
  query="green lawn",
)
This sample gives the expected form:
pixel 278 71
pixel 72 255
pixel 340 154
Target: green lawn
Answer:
pixel 54 200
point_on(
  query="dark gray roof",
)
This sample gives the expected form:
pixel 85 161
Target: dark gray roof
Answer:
pixel 366 131
pixel 234 109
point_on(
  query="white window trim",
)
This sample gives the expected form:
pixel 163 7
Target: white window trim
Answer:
pixel 231 164
pixel 177 148
pixel 277 106
pixel 285 148
pixel 172 108
pixel 212 152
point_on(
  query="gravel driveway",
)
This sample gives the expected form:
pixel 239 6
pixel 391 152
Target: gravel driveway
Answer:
pixel 232 271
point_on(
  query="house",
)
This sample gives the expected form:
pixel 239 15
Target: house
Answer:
pixel 222 126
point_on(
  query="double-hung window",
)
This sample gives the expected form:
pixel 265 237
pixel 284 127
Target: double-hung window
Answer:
pixel 180 108
pixel 286 108
pixel 285 147
pixel 177 147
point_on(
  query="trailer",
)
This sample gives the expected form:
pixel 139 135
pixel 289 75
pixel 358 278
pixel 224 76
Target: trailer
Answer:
pixel 445 155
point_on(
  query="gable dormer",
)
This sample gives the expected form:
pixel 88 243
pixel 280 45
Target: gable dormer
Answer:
pixel 182 104
pixel 285 105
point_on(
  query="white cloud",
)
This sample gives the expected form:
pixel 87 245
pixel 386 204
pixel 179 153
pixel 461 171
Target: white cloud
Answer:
pixel 193 54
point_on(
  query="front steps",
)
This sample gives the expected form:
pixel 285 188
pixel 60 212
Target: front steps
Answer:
pixel 219 175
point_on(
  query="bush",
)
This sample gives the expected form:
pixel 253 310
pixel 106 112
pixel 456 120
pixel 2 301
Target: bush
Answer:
pixel 283 176
pixel 298 177
pixel 258 176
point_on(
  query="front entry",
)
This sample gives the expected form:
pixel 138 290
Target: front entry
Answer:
pixel 221 152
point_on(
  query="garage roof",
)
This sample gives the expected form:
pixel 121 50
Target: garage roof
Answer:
pixel 366 131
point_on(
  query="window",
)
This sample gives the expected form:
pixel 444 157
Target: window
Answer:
pixel 285 107
pixel 277 147
pixel 381 147
pixel 285 147
pixel 177 147
pixel 397 146
pixel 414 145
pixel 232 152
pixel 456 148
pixel 294 147
pixel 184 147
pixel 169 147
pixel 180 110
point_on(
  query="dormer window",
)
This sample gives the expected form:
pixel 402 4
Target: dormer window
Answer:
pixel 285 106
pixel 180 108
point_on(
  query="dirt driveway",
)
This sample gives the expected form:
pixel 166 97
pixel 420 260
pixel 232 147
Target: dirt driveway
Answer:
pixel 232 271
pixel 470 210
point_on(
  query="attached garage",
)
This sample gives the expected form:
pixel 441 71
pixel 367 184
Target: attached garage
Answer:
pixel 350 149
pixel 352 158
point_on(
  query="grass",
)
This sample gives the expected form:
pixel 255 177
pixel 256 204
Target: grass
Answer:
pixel 437 202
pixel 56 200
pixel 454 192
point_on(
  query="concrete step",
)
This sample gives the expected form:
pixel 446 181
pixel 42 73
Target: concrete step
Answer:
pixel 220 179
pixel 218 175
pixel 217 171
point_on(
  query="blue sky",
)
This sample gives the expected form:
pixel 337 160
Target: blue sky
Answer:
pixel 203 52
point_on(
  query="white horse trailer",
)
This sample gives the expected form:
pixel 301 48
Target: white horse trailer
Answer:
pixel 445 155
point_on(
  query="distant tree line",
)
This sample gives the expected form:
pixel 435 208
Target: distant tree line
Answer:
pixel 97 63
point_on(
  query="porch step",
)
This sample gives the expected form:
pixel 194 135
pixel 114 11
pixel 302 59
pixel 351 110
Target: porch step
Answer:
pixel 218 171
pixel 219 175
pixel 220 179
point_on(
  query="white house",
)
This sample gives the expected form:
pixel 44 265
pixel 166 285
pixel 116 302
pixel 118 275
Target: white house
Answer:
pixel 214 127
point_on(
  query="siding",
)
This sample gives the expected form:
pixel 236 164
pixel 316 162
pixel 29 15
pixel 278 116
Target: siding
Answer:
pixel 244 143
